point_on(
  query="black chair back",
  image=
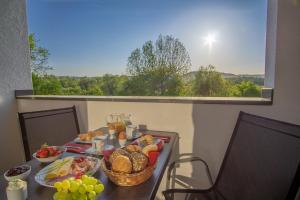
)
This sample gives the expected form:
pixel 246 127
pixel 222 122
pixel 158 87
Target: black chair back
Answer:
pixel 56 127
pixel 262 161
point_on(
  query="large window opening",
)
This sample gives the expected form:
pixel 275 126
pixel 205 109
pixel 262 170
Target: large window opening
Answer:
pixel 148 48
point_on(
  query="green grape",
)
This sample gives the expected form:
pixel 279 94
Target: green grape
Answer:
pixel 99 188
pixel 92 195
pixel 85 188
pixel 83 197
pixel 65 184
pixel 63 195
pixel 82 189
pixel 79 181
pixel 68 196
pixel 89 188
pixel 93 181
pixel 56 196
pixel 90 180
pixel 74 186
pixel 84 177
pixel 86 181
pixel 57 185
pixel 75 195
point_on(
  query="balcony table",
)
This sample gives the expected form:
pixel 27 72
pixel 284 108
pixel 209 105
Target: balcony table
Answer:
pixel 146 190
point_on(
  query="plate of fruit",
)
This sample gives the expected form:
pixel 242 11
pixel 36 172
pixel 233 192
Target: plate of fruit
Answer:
pixel 71 166
pixel 47 154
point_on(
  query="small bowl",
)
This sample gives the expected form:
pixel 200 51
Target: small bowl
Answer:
pixel 22 176
pixel 52 158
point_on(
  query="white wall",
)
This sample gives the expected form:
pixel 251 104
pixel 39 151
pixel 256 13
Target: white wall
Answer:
pixel 14 74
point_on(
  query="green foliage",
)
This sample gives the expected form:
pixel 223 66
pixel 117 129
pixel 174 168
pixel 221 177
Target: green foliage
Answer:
pixel 38 57
pixel 245 89
pixel 256 80
pixel 113 85
pixel 157 69
pixel 209 82
pixel 46 85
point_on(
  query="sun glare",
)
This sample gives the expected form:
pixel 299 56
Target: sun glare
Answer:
pixel 209 40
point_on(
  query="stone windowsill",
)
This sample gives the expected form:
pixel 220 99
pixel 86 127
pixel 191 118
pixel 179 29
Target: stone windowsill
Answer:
pixel 157 99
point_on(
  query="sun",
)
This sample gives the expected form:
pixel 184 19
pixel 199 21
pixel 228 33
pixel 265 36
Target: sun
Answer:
pixel 209 40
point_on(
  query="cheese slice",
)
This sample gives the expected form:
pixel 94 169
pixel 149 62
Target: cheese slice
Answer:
pixel 60 168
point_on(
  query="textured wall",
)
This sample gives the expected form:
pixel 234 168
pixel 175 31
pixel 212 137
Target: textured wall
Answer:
pixel 14 74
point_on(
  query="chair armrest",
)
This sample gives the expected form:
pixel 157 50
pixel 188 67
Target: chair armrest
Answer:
pixel 186 160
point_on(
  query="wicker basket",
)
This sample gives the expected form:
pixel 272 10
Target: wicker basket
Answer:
pixel 123 179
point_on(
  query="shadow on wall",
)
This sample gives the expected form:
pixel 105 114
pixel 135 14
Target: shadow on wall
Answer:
pixel 10 139
pixel 213 127
pixel 83 118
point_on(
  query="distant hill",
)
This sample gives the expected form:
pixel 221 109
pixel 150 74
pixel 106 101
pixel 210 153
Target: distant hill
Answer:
pixel 236 78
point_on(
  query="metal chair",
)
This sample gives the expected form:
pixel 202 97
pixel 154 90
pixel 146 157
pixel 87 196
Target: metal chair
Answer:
pixel 56 127
pixel 262 162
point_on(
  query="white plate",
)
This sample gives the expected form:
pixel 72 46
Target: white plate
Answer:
pixel 77 140
pixel 40 176
pixel 92 151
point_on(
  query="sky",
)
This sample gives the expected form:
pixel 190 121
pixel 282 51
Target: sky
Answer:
pixel 95 37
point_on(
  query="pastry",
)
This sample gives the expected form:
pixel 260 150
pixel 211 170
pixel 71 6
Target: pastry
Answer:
pixel 139 161
pixel 121 164
pixel 148 148
pixel 149 139
pixel 133 148
pixel 97 133
pixel 89 135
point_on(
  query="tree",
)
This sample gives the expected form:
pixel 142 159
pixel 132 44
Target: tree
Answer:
pixel 209 82
pixel 38 57
pixel 112 85
pixel 46 85
pixel 245 89
pixel 158 69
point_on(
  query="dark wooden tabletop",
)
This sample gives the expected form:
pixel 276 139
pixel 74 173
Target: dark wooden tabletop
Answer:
pixel 146 190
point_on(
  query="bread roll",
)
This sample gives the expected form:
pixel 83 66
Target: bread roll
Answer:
pixel 133 148
pixel 121 164
pixel 139 161
pixel 116 153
